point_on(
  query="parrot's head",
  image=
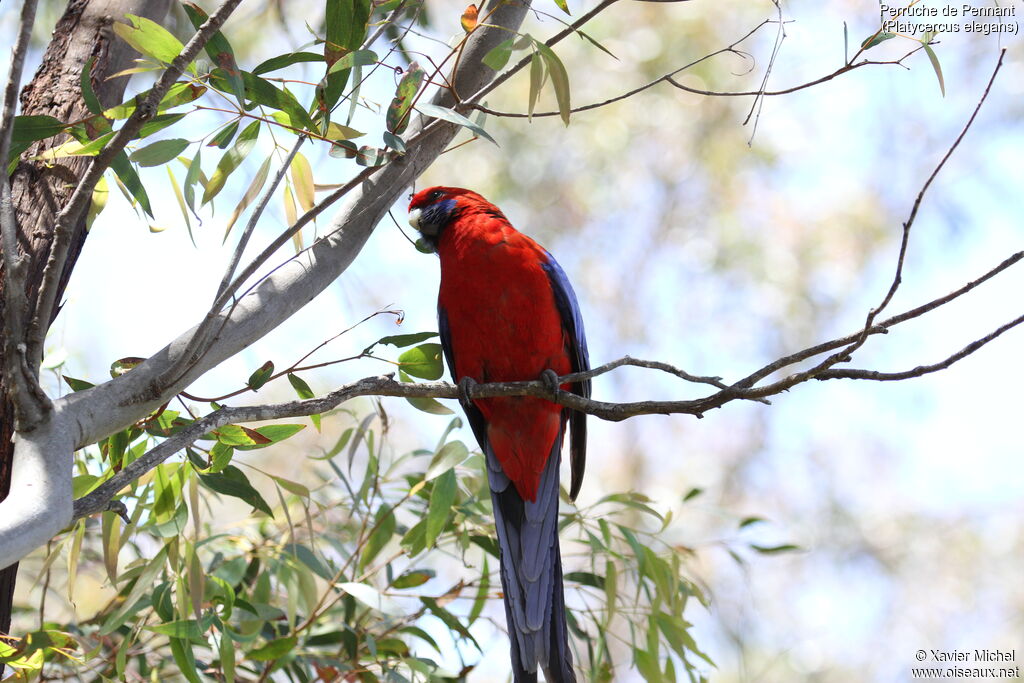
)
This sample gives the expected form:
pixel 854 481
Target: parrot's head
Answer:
pixel 433 209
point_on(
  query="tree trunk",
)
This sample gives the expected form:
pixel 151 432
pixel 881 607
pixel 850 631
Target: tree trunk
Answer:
pixel 39 190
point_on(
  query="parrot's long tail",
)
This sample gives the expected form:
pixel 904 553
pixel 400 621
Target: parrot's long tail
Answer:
pixel 531 574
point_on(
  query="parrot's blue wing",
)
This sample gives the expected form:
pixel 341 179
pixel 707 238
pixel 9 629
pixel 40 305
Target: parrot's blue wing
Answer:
pixel 572 322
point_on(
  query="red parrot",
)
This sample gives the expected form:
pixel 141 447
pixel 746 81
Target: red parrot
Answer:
pixel 506 312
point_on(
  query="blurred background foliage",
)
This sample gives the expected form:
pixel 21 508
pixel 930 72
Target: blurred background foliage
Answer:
pixel 691 238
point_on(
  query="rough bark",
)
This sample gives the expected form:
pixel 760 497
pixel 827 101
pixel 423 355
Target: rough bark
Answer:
pixel 39 190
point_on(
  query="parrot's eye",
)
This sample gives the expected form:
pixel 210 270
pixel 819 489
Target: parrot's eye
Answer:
pixel 435 195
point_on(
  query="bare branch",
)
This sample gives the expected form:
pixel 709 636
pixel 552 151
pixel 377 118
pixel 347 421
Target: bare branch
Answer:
pixel 670 78
pixel 920 370
pixel 904 242
pixel 385 385
pixel 76 206
pixel 879 328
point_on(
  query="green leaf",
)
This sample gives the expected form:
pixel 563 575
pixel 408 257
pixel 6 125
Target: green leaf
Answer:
pixel 233 435
pixel 276 432
pixel 647 666
pixel 149 38
pixel 586 579
pixel 220 457
pixel 275 649
pixel 451 455
pixel 481 593
pixel 559 79
pixel 449 619
pixel 266 93
pixel 92 102
pixel 937 67
pixel 747 521
pixel 499 55
pixel 159 152
pixel 489 545
pixel 301 388
pixel 413 578
pixel 219 50
pixel 562 5
pixel 441 500
pixel 281 61
pixel 403 340
pixel 250 194
pixel 303 391
pixel 337 132
pixel 185 659
pixel 77 384
pixel 692 493
pixel 357 58
pixel 302 178
pixel 875 39
pixel 260 377
pixel 774 549
pixel 291 486
pixel 537 76
pixel 224 136
pixel 371 597
pixel 233 482
pixel 32 128
pixel 423 361
pixel 126 173
pixel 187 629
pixel 345 24
pixel 180 198
pixel 191 177
pixel 611 588
pixel 383 530
pixel 231 160
pixel 309 558
pixel 143 584
pixel 397 118
pixel 454 117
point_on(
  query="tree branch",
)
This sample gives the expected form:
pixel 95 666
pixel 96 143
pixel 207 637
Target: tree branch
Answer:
pixel 100 498
pixel 920 370
pixel 31 404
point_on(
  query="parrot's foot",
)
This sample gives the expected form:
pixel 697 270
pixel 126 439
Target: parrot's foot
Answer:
pixel 550 379
pixel 466 385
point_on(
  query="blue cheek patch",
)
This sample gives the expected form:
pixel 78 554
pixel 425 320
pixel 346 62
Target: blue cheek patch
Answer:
pixel 437 215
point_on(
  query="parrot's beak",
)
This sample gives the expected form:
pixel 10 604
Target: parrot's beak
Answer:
pixel 414 218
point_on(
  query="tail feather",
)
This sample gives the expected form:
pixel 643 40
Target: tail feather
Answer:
pixel 531 574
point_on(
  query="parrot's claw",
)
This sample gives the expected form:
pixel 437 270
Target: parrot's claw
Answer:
pixel 550 379
pixel 466 385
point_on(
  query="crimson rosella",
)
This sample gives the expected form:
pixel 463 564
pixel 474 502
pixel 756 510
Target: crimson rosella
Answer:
pixel 507 312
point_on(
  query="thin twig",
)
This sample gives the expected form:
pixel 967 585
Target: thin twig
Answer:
pixel 879 328
pixel 254 218
pixel 905 239
pixel 920 370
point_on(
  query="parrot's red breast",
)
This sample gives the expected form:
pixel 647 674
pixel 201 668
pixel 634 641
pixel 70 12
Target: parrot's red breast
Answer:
pixel 504 326
pixel 507 312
